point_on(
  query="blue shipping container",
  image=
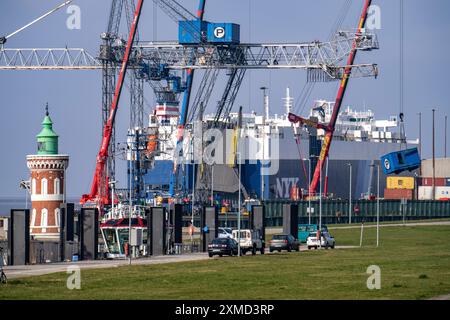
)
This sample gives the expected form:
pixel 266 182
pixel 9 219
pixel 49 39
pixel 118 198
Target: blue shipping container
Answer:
pixel 223 33
pixel 397 162
pixel 192 32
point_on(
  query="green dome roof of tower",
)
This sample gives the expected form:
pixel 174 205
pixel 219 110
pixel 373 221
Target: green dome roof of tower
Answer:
pixel 47 139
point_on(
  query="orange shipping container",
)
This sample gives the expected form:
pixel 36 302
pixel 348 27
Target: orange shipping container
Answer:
pixel 397 194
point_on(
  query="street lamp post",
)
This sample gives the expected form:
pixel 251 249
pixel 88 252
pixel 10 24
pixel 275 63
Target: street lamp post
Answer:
pixel 309 192
pixel 434 158
pixel 320 202
pixel 445 137
pixel 239 206
pixel 350 195
pixel 131 208
pixel 212 185
pixel 378 205
pixel 193 175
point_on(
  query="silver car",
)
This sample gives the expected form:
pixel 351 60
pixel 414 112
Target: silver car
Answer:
pixel 327 240
pixel 225 232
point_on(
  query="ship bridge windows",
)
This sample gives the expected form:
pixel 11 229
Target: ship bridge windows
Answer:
pixel 360 119
pixel 111 241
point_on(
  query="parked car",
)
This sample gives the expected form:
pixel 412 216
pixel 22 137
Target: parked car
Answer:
pixel 250 240
pixel 305 229
pixel 284 242
pixel 327 240
pixel 223 246
pixel 225 232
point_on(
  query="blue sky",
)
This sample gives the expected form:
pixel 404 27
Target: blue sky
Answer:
pixel 75 96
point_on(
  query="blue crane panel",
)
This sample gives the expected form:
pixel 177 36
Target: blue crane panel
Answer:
pixel 192 31
pixel 223 33
pixel 397 162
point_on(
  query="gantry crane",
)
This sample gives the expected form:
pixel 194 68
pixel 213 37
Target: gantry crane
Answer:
pixel 320 59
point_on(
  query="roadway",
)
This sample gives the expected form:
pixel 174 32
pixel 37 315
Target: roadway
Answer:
pixel 13 272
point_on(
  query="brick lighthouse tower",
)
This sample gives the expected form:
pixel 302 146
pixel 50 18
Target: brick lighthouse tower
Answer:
pixel 47 169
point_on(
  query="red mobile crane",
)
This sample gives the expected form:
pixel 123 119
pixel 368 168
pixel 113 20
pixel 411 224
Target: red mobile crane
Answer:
pixel 99 189
pixel 329 129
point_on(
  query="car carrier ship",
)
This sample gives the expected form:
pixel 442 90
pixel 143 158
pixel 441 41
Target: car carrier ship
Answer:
pixel 267 140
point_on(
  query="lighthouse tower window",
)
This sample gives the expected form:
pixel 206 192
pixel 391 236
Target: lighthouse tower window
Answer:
pixel 41 146
pixel 44 219
pixel 57 216
pixel 44 186
pixel 56 186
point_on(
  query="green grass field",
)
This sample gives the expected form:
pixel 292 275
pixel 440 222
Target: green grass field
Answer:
pixel 414 262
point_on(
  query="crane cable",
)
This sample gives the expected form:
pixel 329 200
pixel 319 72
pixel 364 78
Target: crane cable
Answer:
pixel 401 65
pixel 307 90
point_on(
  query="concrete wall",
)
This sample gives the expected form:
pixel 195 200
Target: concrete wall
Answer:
pixel 442 168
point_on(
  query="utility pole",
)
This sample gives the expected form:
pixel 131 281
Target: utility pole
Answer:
pixel 434 158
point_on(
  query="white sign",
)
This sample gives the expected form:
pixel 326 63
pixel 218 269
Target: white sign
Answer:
pixel 387 164
pixel 374 280
pixel 219 32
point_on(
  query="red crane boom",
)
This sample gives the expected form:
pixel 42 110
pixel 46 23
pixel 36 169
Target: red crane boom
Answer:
pixel 99 189
pixel 329 129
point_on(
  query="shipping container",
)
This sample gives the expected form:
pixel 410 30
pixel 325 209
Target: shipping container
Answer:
pixel 428 182
pixel 192 31
pixel 397 194
pixel 400 183
pixel 223 33
pixel 400 161
pixel 441 168
pixel 426 193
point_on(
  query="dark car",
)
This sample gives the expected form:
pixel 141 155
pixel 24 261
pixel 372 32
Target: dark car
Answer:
pixel 223 246
pixel 284 242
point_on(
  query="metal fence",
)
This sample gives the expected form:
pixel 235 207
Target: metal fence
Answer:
pixel 337 211
pixel 50 251
pixel 44 251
